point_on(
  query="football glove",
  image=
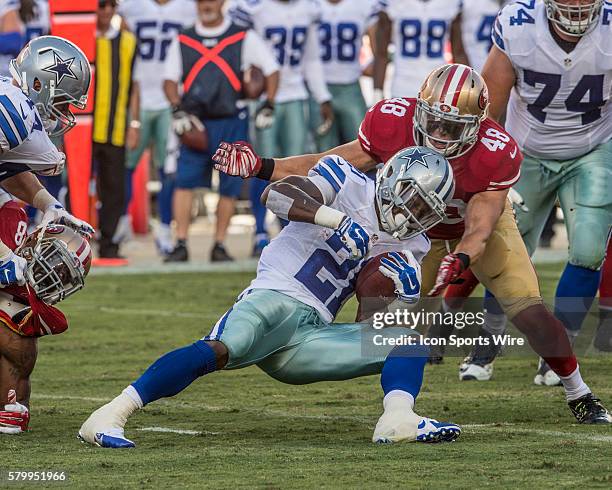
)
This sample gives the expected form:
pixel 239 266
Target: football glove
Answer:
pixel 12 269
pixel 264 117
pixel 450 269
pixel 15 417
pixel 355 240
pixel 237 159
pixel 405 272
pixel 55 213
pixel 182 122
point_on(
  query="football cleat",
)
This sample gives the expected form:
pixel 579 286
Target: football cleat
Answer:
pixel 398 423
pixel 589 410
pixel 104 428
pixel 470 371
pixel 546 376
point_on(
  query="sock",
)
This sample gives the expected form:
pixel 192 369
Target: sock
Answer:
pixel 164 198
pixel 181 242
pixel 175 371
pixel 129 173
pixel 575 292
pixel 494 318
pixel 574 385
pixel 124 405
pixel 403 370
pixel 398 398
pixel 258 209
pixel 547 337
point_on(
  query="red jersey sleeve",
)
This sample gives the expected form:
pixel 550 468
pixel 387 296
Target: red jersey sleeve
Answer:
pixel 13 224
pixel 499 157
pixel 387 128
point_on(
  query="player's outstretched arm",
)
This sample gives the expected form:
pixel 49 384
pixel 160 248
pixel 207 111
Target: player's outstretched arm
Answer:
pixel 482 213
pixel 240 159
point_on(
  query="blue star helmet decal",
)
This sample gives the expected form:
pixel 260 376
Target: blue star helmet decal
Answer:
pixel 417 156
pixel 61 68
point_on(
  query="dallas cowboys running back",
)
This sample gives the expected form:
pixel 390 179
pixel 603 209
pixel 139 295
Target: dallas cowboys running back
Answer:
pixel 282 321
pixel 50 75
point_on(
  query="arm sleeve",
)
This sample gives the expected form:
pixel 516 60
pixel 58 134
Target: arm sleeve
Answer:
pixel 313 68
pixel 330 176
pixel 255 52
pixel 507 170
pixel 497 33
pixel 173 66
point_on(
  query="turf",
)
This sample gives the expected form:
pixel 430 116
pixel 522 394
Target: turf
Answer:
pixel 247 430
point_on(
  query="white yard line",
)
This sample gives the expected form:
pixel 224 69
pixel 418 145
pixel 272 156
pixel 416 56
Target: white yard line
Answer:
pixel 491 427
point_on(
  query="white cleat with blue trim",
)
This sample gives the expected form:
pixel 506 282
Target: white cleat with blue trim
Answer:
pixel 399 423
pixel 104 428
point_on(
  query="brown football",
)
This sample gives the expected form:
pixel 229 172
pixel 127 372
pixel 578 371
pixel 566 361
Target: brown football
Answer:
pixel 253 83
pixel 373 290
pixel 195 139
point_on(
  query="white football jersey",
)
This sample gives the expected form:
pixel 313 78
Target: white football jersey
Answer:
pixel 290 29
pixel 302 261
pixel 559 107
pixel 421 29
pixel 477 19
pixel 341 32
pixel 23 140
pixel 155 25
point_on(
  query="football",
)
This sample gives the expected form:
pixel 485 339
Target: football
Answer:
pixel 373 290
pixel 253 83
pixel 195 138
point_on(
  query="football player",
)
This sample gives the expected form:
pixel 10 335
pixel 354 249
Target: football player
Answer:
pixel 283 320
pixel 551 65
pixel 11 33
pixel 50 75
pixel 343 25
pixel 154 23
pixel 477 18
pixel 58 259
pixel 419 30
pixel 450 116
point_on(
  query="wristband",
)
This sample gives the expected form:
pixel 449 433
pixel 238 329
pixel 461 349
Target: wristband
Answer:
pixel 328 217
pixel 465 259
pixel 267 169
pixel 43 200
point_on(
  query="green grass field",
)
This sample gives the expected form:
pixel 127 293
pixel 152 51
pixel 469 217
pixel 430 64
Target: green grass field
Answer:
pixel 244 429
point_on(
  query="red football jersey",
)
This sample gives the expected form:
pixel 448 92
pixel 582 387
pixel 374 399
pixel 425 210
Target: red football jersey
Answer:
pixel 493 163
pixel 39 318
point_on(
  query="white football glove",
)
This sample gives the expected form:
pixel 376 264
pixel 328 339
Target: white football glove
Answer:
pixel 55 213
pixel 264 117
pixel 183 122
pixel 405 272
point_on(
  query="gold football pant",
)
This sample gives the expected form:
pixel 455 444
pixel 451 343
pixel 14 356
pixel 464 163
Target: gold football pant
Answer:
pixel 505 268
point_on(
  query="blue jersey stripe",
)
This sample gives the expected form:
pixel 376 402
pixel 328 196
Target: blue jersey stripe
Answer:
pixel 335 168
pixel 15 116
pixel 5 127
pixel 323 172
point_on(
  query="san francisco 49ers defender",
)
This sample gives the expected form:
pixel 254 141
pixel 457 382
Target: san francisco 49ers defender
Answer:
pixel 57 263
pixel 450 116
